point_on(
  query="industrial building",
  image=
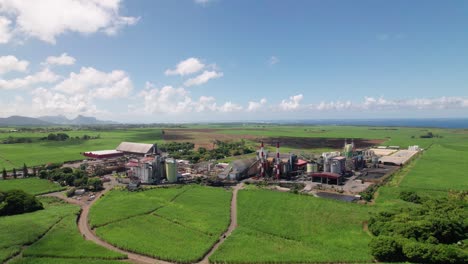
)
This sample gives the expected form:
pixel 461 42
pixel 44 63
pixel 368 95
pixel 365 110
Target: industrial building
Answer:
pixel 137 148
pixel 152 170
pixel 103 154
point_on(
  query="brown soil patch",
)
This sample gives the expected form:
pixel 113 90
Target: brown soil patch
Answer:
pixel 308 143
pixel 201 137
pixel 207 137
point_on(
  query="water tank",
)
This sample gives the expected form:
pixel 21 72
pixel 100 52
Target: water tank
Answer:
pixel 310 168
pixel 171 170
pixel 335 167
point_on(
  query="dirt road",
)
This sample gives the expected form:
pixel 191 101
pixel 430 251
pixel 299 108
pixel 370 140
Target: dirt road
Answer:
pixel 231 227
pixel 89 234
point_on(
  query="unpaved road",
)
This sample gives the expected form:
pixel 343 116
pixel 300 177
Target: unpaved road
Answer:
pixel 89 234
pixel 231 227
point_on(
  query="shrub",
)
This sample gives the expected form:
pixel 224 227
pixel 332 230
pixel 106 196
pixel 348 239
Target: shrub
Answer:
pixel 17 202
pixel 385 248
pixel 409 196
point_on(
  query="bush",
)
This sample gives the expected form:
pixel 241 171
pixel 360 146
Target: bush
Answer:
pixel 409 196
pixel 70 192
pixel 385 248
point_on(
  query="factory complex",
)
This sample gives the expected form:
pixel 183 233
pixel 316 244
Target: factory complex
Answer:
pixel 349 171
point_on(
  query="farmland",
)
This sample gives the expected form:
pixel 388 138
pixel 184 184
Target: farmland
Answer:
pixel 317 138
pixel 177 224
pixel 30 185
pixel 51 232
pixel 292 228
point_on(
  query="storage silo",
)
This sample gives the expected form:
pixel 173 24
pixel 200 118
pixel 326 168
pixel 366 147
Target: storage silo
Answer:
pixel 310 168
pixel 171 170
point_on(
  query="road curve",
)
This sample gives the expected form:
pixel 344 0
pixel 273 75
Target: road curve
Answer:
pixel 231 227
pixel 88 233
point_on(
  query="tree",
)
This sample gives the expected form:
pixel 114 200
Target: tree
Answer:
pixel 25 170
pixel 18 202
pixel 34 174
pixel 4 174
pixel 14 173
pixel 95 183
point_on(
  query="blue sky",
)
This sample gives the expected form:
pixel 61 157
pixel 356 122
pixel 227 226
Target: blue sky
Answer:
pixel 212 60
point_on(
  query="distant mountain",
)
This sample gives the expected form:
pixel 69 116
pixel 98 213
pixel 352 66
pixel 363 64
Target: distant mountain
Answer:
pixel 60 119
pixel 51 121
pixel 88 120
pixel 23 121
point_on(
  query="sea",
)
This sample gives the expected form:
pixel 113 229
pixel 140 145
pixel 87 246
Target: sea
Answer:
pixel 456 123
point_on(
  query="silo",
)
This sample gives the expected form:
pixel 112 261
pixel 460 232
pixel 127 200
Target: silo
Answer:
pixel 310 168
pixel 171 170
pixel 326 165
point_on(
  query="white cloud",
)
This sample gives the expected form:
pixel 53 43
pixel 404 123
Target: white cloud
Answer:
pixel 203 78
pixel 415 103
pixel 255 106
pixel 63 59
pixel 44 76
pixel 5 33
pixel 45 102
pixel 338 105
pixel 11 63
pixel 100 84
pixel 292 104
pixel 273 60
pixel 47 19
pixel 166 100
pixel 230 107
pixel 185 67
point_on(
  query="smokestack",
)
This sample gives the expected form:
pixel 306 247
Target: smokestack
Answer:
pixel 262 151
pixel 277 151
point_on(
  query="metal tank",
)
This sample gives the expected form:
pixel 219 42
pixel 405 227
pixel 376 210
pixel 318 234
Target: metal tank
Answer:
pixel 171 170
pixel 310 168
pixel 326 165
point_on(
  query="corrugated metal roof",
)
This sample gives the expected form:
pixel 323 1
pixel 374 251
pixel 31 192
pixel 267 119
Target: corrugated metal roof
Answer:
pixel 103 152
pixel 135 147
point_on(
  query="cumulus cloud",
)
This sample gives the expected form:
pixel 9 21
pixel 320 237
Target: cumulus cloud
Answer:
pixel 44 76
pixel 255 106
pixel 46 101
pixel 230 107
pixel 186 67
pixel 63 59
pixel 171 100
pixel 415 103
pixel 11 63
pixel 203 78
pixel 47 19
pixel 338 105
pixel 293 103
pixel 5 33
pixel 99 84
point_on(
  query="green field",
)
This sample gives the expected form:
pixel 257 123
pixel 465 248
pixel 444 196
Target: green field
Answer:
pixel 64 241
pixel 62 261
pixel 51 232
pixel 34 186
pixel 283 227
pixel 181 226
pixel 40 152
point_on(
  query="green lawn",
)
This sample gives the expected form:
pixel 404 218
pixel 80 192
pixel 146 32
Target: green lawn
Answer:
pixel 30 185
pixel 178 229
pixel 283 227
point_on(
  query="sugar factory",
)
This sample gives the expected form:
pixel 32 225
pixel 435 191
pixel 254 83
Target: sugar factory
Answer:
pixel 348 171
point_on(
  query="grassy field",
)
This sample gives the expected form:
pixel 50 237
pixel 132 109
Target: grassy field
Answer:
pixel 120 204
pixel 28 260
pixel 41 152
pixel 64 241
pixel 51 232
pixel 30 185
pixel 283 227
pixel 181 229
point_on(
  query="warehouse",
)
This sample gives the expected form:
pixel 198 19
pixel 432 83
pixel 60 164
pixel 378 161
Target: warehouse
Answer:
pixel 398 158
pixel 137 148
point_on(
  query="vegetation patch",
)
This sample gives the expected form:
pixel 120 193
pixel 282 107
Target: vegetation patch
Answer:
pixel 7 253
pixel 14 202
pixel 288 227
pixel 33 186
pixel 28 260
pixel 158 237
pixel 118 205
pixel 64 241
pixel 430 233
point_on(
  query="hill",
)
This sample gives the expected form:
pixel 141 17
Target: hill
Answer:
pixel 23 121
